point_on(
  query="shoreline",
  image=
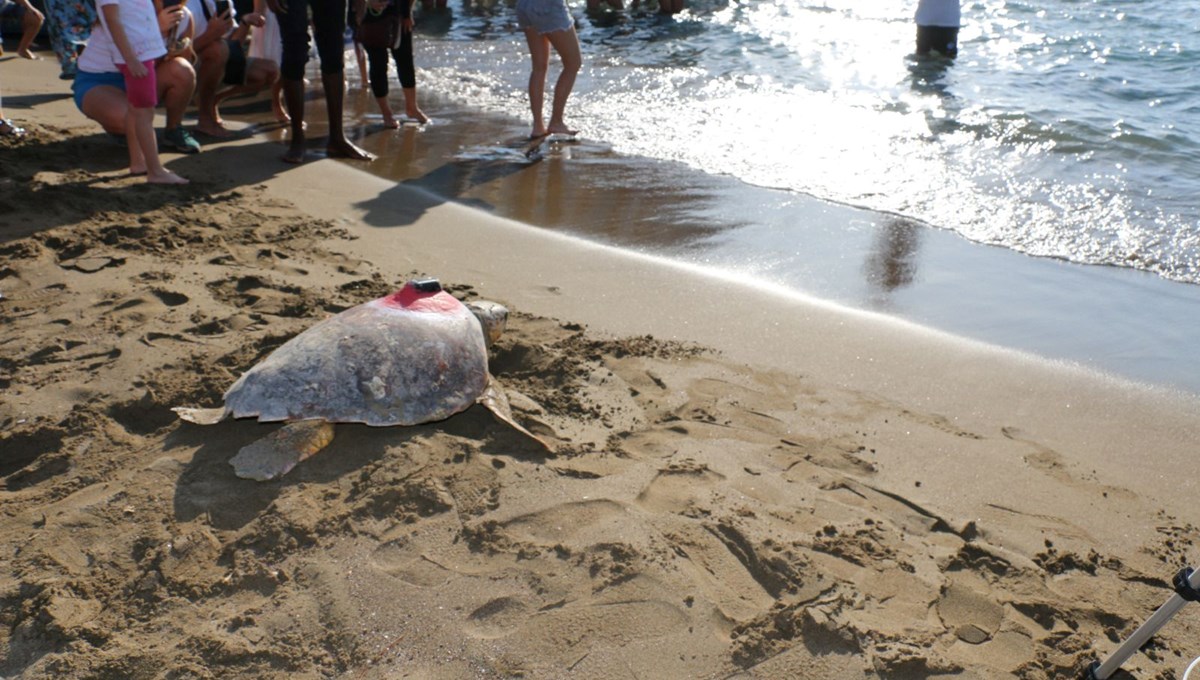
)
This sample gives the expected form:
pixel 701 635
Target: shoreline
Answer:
pixel 1132 324
pixel 750 481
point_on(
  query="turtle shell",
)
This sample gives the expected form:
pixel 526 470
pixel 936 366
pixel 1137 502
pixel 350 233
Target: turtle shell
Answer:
pixel 411 357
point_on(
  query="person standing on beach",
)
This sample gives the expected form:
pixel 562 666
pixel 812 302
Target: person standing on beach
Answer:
pixel 329 28
pixel 547 24
pixel 69 23
pixel 133 26
pixel 387 26
pixel 938 22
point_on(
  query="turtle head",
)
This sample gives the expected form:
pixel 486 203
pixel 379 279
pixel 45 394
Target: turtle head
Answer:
pixel 492 317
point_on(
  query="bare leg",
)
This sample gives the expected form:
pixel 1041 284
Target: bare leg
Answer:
pixel 176 84
pixel 109 107
pixel 137 161
pixel 566 43
pixel 208 81
pixel 293 95
pixel 31 23
pixel 260 73
pixel 360 55
pixel 338 146
pixel 539 54
pixel 389 118
pixel 410 106
pixel 277 106
pixel 142 122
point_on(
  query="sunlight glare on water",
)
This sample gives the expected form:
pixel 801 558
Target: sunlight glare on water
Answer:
pixel 1064 129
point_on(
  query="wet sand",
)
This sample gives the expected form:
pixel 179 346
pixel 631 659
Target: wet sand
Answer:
pixel 748 482
pixel 1127 323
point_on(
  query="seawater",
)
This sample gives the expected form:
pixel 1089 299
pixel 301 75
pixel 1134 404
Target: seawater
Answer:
pixel 1065 129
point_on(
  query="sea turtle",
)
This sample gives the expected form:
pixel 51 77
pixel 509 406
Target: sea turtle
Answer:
pixel 415 356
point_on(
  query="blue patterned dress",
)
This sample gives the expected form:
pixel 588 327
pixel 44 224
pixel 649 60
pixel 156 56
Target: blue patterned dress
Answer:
pixel 69 23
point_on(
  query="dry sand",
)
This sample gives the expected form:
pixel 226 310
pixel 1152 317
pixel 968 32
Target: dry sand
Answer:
pixel 746 484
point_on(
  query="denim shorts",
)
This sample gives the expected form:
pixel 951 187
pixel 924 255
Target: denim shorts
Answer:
pixel 85 81
pixel 544 16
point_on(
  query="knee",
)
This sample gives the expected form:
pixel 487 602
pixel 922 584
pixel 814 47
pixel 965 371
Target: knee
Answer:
pixel 214 55
pixel 572 64
pixel 177 72
pixel 262 73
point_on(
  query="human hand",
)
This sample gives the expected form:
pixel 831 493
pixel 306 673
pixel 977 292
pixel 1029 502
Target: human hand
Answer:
pixel 137 69
pixel 169 18
pixel 254 19
pixel 406 24
pixel 219 25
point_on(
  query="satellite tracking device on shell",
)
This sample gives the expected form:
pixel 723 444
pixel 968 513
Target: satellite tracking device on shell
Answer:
pixel 427 285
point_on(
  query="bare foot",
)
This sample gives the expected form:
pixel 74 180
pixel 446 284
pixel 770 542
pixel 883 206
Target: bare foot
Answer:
pixel 561 129
pixel 417 115
pixel 26 54
pixel 281 115
pixel 295 153
pixel 214 129
pixel 166 177
pixel 345 149
pixel 390 122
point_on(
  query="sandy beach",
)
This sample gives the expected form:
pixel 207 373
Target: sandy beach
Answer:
pixel 746 483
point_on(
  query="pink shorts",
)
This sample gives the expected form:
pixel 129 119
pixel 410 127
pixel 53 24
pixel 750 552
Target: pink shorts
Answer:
pixel 141 92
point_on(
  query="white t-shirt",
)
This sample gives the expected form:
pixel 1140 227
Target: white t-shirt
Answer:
pixel 140 22
pixel 198 7
pixel 944 13
pixel 98 56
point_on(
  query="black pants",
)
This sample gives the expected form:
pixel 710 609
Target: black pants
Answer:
pixel 329 27
pixel 943 39
pixel 377 71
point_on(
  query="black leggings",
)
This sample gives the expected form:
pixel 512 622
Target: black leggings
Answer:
pixel 378 70
pixel 329 27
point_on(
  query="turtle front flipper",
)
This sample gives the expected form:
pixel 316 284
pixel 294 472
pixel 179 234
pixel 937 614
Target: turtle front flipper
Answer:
pixel 200 416
pixel 494 399
pixel 277 453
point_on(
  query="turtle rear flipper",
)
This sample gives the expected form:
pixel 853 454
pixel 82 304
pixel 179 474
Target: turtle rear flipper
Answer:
pixel 277 453
pixel 494 399
pixel 200 416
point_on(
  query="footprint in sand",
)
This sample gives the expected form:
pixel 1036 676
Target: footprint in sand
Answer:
pixel 676 487
pixel 496 618
pixel 569 521
pixel 967 612
pixel 263 296
pixel 402 559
